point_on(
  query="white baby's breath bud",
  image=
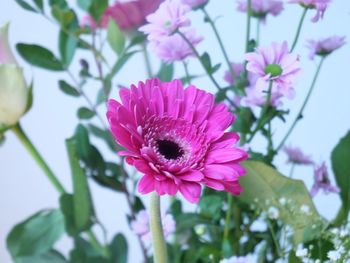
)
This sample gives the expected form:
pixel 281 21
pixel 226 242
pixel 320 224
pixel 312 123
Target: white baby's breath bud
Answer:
pixel 273 212
pixel 333 255
pixel 305 209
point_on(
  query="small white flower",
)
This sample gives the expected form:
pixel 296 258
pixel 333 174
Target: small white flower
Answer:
pixel 305 209
pixel 301 252
pixel 343 233
pixel 333 255
pixel 273 212
pixel 335 231
pixel 200 230
pixel 283 201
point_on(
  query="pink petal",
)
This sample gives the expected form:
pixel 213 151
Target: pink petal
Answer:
pixel 191 176
pixel 146 184
pixel 191 191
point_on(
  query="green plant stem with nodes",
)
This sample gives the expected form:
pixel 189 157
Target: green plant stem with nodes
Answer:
pixel 147 60
pixel 249 16
pixel 217 35
pixel 300 113
pixel 299 28
pixel 260 122
pixel 24 139
pixel 188 78
pixel 210 75
pixel 159 245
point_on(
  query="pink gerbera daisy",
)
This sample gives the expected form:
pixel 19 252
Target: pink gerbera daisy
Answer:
pixel 176 137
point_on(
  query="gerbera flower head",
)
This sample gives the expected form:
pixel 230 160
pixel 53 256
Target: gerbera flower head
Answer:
pixel 170 16
pixel 322 181
pixel 325 46
pixel 274 63
pixel 176 137
pixel 141 226
pixel 261 8
pixel 296 156
pixel 127 14
pixel 319 5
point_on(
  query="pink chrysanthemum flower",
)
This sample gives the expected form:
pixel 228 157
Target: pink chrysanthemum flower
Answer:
pixel 319 5
pixel 274 63
pixel 170 16
pixel 296 156
pixel 127 14
pixel 322 181
pixel 261 8
pixel 194 3
pixel 325 46
pixel 141 226
pixel 174 47
pixel 176 137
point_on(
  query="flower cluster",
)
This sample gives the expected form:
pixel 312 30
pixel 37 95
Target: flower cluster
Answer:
pixel 176 137
pixel 162 31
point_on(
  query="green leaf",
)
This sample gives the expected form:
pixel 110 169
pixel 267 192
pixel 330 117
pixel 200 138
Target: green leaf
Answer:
pixel 85 113
pixel 36 235
pixel 62 4
pixel 68 45
pixel 65 17
pixel 82 204
pixel 119 64
pixel 115 37
pixel 97 8
pixel 39 4
pixel 341 167
pixel 39 56
pixel 68 89
pixel 104 135
pixel 26 6
pixel 292 258
pixel 83 142
pixel 264 186
pixel 30 97
pixel 166 72
pixel 84 4
pixel 84 252
pixel 67 208
pixel 119 248
pixel 206 61
pixel 51 256
pixel 211 206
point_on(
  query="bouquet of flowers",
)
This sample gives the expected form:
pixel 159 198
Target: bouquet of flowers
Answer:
pixel 212 145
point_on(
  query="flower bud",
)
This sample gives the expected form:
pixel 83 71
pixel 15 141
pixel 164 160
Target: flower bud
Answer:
pixel 13 89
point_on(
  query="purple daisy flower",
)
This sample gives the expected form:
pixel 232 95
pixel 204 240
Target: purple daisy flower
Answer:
pixel 325 46
pixel 319 5
pixel 296 156
pixel 322 181
pixel 261 8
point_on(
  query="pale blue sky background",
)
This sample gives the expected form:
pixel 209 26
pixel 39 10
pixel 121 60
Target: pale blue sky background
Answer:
pixel 23 188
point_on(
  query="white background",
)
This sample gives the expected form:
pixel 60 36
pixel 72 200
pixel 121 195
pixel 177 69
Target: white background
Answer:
pixel 24 189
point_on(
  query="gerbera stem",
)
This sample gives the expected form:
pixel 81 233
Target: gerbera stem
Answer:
pixel 24 139
pixel 213 26
pixel 210 74
pixel 158 241
pixel 249 16
pixel 299 29
pixel 300 113
pixel 18 131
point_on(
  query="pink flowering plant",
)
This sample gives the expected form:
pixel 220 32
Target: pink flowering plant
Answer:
pixel 189 141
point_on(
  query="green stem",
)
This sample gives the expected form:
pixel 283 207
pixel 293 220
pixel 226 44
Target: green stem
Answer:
pixel 260 123
pixel 158 241
pixel 217 35
pixel 299 29
pixel 147 60
pixel 210 75
pixel 249 16
pixel 300 113
pixel 258 31
pixel 228 217
pixel 274 239
pixel 292 170
pixel 37 157
pixel 18 131
pixel 238 234
pixel 188 78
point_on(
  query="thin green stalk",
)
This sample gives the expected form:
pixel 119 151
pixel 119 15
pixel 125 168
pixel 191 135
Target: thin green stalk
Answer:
pixel 263 112
pixel 188 78
pixel 274 239
pixel 249 16
pixel 24 139
pixel 258 23
pixel 300 113
pixel 210 75
pixel 18 131
pixel 238 234
pixel 228 217
pixel 217 35
pixel 158 241
pixel 147 60
pixel 299 29
pixel 292 170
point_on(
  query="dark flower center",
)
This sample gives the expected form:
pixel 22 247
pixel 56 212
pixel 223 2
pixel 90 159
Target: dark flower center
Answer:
pixel 170 150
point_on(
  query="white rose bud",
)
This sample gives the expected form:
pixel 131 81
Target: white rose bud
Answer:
pixel 13 88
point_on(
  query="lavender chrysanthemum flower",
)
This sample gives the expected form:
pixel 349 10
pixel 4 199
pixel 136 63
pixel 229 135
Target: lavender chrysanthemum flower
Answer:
pixel 176 137
pixel 170 16
pixel 174 47
pixel 194 3
pixel 325 46
pixel 322 181
pixel 319 5
pixel 296 156
pixel 261 8
pixel 141 226
pixel 274 64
